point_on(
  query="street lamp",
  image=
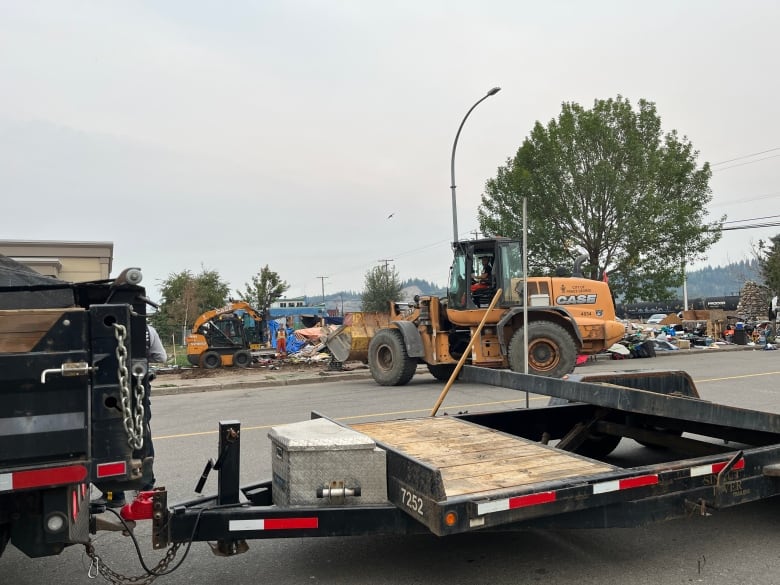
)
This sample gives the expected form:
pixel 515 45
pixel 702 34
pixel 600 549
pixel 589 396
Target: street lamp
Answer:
pixel 493 91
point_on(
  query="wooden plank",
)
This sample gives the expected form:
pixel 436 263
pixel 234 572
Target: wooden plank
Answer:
pixel 472 459
pixel 21 330
pixel 474 485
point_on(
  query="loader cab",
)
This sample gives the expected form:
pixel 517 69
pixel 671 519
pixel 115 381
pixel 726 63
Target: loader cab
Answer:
pixel 505 260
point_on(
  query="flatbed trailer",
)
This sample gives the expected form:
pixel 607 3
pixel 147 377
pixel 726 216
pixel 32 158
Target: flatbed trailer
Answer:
pixel 505 470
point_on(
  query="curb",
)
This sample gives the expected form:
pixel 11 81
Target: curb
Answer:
pixel 255 384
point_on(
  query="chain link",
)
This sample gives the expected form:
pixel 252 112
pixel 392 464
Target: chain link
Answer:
pixel 134 425
pixel 98 567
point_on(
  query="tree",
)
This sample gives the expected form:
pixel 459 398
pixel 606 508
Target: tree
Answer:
pixel 768 256
pixel 185 296
pixel 382 286
pixel 607 183
pixel 266 288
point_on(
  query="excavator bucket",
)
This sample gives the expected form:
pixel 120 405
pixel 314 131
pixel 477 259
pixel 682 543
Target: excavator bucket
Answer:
pixel 350 341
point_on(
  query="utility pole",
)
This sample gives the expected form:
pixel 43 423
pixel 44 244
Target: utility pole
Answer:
pixel 386 261
pixel 322 278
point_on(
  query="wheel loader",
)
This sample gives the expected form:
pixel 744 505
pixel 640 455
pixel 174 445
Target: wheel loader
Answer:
pixel 567 316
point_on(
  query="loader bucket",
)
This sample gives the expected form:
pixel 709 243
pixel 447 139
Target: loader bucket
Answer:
pixel 350 341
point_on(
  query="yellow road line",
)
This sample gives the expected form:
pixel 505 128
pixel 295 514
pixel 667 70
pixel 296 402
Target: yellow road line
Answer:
pixel 736 377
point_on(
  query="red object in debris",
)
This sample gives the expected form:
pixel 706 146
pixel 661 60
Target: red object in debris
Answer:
pixel 581 359
pixel 140 508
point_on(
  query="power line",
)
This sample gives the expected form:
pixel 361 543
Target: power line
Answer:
pixel 750 162
pixel 723 162
pixel 750 219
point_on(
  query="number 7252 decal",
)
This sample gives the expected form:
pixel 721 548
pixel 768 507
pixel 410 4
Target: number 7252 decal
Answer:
pixel 411 501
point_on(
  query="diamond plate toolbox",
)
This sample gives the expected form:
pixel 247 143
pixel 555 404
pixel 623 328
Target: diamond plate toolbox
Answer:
pixel 318 454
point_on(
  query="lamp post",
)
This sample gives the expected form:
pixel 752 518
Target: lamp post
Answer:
pixel 493 91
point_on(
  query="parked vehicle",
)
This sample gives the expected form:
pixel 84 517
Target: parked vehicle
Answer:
pixel 656 318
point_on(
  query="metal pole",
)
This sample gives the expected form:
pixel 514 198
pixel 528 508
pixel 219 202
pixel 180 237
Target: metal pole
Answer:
pixel 493 91
pixel 525 295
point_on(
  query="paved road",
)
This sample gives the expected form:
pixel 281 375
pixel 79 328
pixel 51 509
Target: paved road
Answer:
pixel 734 546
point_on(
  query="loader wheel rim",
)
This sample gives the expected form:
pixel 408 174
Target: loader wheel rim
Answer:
pixel 384 357
pixel 543 355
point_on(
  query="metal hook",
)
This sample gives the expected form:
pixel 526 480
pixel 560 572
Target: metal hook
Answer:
pixel 96 565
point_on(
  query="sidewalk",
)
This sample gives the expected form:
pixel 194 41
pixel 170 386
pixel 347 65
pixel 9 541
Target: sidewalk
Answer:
pixel 188 381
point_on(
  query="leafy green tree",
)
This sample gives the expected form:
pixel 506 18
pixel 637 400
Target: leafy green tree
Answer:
pixel 185 296
pixel 608 183
pixel 768 256
pixel 266 287
pixel 382 285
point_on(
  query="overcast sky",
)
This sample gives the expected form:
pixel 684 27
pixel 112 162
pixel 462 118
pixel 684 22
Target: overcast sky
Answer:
pixel 231 135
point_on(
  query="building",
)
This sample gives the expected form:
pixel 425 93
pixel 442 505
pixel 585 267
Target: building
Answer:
pixel 68 261
pixel 296 311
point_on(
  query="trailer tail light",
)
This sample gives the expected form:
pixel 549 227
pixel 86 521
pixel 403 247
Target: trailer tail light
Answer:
pixel 40 478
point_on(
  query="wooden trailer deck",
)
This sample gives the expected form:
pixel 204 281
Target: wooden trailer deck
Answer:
pixel 473 459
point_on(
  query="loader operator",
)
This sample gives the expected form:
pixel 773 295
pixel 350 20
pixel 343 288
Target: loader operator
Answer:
pixel 482 282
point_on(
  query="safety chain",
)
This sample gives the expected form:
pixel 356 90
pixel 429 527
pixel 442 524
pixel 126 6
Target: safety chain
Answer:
pixel 98 567
pixel 134 425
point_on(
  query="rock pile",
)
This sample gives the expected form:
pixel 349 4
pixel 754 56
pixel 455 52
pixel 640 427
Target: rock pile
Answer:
pixel 753 302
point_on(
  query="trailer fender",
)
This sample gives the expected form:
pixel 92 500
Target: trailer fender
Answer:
pixel 412 338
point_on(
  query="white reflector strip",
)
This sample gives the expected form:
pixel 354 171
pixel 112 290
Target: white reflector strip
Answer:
pixel 238 525
pixel 6 482
pixel 606 486
pixel 701 470
pixel 494 506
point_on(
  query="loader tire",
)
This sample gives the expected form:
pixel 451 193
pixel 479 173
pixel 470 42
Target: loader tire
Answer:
pixel 210 360
pixel 552 352
pixel 388 359
pixel 441 371
pixel 242 358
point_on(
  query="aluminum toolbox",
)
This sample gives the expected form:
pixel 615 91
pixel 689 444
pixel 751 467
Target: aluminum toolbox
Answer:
pixel 319 455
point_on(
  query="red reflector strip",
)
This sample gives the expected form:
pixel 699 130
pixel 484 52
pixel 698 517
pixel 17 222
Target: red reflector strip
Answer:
pixel 49 476
pixel 718 467
pixel 110 469
pixel 290 523
pixel 531 500
pixel 635 482
pixel 273 524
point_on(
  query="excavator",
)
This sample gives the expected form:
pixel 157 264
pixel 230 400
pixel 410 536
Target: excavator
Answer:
pixel 225 337
pixel 567 316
